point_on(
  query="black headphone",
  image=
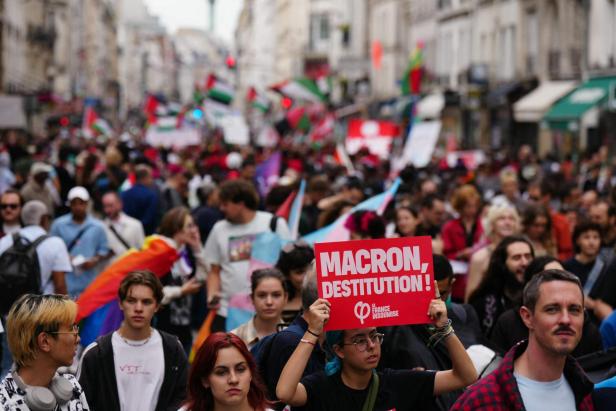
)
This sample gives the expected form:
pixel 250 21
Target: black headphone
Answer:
pixel 60 391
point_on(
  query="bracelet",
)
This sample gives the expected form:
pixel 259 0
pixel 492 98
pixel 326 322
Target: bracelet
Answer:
pixel 440 335
pixel 307 342
pixel 311 333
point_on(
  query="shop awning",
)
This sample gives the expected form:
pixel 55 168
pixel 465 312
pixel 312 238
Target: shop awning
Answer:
pixel 431 106
pixel 532 107
pixel 12 112
pixel 574 105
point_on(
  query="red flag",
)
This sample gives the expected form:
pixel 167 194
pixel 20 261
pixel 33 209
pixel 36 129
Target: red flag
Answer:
pixel 285 209
pixel 149 108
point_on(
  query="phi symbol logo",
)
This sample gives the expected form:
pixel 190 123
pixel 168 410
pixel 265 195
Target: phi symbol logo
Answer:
pixel 362 311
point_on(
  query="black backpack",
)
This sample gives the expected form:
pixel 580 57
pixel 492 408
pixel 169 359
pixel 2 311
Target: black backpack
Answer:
pixel 19 271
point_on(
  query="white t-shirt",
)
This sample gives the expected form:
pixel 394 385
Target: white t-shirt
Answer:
pixel 546 396
pixel 52 254
pixel 230 246
pixel 139 369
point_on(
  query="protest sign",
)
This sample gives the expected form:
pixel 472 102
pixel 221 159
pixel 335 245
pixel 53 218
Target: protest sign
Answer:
pixel 374 283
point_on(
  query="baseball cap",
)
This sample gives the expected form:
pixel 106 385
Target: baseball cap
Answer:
pixel 78 192
pixel 40 167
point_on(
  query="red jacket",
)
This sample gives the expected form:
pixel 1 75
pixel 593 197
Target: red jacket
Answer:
pixel 454 237
pixel 562 235
pixel 499 390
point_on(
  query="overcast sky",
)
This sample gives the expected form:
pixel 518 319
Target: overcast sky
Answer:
pixel 195 13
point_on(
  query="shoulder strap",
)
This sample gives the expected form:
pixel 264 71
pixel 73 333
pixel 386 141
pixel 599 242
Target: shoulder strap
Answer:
pixel 372 392
pixel 593 275
pixel 31 245
pixel 273 223
pixel 118 236
pixel 77 237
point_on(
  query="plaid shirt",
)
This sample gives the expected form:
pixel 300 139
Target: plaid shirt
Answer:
pixel 499 390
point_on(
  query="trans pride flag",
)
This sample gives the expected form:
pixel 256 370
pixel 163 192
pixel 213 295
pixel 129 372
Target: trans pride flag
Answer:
pixel 336 230
pixel 265 251
pixel 97 306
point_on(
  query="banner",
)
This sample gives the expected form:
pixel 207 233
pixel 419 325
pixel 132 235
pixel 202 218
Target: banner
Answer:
pixel 376 283
pixel 377 136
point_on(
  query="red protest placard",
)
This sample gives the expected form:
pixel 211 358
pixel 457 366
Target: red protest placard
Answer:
pixel 374 283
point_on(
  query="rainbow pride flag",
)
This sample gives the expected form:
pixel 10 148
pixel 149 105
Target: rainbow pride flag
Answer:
pixel 97 307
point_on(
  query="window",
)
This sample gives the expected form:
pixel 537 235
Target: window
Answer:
pixel 323 27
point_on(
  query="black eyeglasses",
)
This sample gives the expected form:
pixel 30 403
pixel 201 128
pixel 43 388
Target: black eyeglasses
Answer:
pixel 361 342
pixel 11 206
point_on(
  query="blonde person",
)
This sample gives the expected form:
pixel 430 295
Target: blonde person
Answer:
pixel 269 297
pixel 500 222
pixel 351 381
pixel 42 336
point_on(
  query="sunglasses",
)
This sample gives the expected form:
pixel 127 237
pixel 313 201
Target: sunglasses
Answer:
pixel 11 206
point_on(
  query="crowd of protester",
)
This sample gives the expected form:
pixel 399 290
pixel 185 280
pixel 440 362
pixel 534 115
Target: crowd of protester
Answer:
pixel 523 259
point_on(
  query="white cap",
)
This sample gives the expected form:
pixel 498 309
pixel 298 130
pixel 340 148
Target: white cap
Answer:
pixel 40 167
pixel 78 192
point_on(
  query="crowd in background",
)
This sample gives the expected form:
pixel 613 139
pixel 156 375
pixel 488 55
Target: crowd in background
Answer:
pixel 493 228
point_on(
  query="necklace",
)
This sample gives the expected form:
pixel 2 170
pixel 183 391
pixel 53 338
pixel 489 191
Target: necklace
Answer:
pixel 138 344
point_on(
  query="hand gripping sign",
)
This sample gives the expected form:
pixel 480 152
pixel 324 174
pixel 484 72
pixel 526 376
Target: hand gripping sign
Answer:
pixel 374 283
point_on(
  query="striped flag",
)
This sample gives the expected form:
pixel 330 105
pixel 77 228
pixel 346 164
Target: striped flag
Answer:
pixel 258 100
pixel 219 90
pixel 300 89
pixel 291 209
pixel 336 230
pixel 411 82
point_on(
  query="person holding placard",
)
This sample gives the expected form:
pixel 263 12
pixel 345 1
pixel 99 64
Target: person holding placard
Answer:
pixel 350 381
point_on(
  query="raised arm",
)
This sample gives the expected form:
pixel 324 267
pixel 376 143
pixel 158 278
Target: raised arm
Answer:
pixel 462 371
pixel 289 390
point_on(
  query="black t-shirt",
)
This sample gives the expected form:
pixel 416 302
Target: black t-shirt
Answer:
pixel 579 269
pixel 399 390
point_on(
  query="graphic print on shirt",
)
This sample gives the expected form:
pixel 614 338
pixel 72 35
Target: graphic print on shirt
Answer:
pixel 240 248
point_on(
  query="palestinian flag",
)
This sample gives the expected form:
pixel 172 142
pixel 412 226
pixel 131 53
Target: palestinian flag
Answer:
pixel 89 118
pixel 101 126
pixel 411 82
pixel 219 90
pixel 297 118
pixel 300 89
pixel 258 100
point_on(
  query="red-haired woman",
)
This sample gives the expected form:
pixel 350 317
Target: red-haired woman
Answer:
pixel 224 377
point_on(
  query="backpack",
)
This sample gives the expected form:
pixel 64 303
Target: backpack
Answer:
pixel 261 352
pixel 20 272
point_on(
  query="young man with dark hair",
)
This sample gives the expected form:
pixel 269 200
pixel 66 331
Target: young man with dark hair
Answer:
pixel 540 374
pixel 229 245
pixel 586 263
pixel 591 269
pixel 135 367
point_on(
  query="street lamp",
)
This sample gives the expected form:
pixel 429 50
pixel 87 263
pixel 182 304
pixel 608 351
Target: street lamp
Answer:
pixel 212 4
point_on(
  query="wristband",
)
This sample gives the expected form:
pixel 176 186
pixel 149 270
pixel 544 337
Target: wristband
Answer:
pixel 311 333
pixel 307 342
